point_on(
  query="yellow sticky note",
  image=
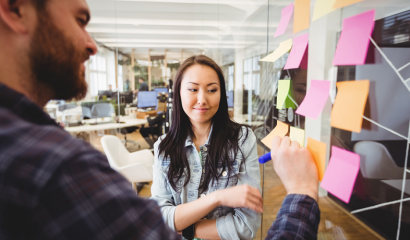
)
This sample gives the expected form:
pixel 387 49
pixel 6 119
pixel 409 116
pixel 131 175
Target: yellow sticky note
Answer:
pixel 280 130
pixel 297 135
pixel 344 3
pixel 349 105
pixel 301 15
pixel 283 90
pixel 283 48
pixel 322 8
pixel 318 151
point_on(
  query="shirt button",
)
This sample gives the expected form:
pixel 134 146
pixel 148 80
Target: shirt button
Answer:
pixel 202 195
pixel 224 174
pixel 205 149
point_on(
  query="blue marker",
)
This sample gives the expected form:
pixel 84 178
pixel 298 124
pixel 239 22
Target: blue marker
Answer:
pixel 265 158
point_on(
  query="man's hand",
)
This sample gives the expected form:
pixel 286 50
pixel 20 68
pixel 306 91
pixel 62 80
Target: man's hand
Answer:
pixel 295 167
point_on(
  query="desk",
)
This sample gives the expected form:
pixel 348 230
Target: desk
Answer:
pixel 129 122
pixel 130 110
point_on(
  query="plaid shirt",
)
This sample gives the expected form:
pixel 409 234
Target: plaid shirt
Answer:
pixel 53 186
pixel 298 218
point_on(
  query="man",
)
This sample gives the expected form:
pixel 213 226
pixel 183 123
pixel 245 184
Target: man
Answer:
pixel 143 86
pixel 53 186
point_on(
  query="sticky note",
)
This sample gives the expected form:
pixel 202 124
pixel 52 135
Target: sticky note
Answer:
pixel 349 105
pixel 341 173
pixel 301 16
pixel 284 20
pixel 315 99
pixel 280 130
pixel 298 51
pixel 297 135
pixel 283 90
pixel 354 39
pixel 283 48
pixel 322 8
pixel 344 3
pixel 318 151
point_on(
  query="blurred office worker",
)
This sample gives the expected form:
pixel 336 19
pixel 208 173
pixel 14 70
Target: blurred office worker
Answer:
pixel 143 86
pixel 53 186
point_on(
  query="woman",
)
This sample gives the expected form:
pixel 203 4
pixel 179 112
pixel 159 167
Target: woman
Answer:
pixel 206 172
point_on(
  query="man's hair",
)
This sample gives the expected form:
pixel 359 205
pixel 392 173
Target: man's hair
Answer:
pixel 142 79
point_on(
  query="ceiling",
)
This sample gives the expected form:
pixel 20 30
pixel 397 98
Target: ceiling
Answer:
pixel 187 26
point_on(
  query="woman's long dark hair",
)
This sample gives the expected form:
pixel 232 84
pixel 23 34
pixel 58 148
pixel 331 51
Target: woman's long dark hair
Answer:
pixel 224 139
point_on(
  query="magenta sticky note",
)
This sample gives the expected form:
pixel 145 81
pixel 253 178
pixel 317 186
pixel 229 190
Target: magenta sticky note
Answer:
pixel 284 20
pixel 341 173
pixel 298 51
pixel 354 39
pixel 315 99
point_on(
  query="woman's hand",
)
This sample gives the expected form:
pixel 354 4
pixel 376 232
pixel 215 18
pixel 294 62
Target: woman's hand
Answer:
pixel 241 196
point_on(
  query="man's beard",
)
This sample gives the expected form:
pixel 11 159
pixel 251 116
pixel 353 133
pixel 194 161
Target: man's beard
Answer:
pixel 56 63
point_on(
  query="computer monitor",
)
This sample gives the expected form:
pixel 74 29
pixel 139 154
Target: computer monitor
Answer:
pixel 126 97
pixel 104 93
pixel 147 99
pixel 229 95
pixel 161 90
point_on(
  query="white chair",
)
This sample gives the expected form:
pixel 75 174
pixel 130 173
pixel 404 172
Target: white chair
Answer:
pixel 136 166
pixel 376 161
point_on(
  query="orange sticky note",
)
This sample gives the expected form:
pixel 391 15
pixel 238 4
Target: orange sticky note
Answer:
pixel 344 3
pixel 318 151
pixel 280 130
pixel 349 105
pixel 301 15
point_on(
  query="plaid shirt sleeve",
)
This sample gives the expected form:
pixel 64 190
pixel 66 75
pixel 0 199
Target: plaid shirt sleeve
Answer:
pixel 86 199
pixel 298 218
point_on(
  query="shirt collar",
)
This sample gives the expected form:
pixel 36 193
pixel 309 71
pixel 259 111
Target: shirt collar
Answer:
pixel 23 107
pixel 188 141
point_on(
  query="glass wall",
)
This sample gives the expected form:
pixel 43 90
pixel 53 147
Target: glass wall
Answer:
pixel 149 40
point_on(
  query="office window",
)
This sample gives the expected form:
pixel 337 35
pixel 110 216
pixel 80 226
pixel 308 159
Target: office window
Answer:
pixel 231 72
pixel 252 74
pixel 98 73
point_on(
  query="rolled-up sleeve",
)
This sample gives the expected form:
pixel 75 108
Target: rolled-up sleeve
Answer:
pixel 161 192
pixel 243 223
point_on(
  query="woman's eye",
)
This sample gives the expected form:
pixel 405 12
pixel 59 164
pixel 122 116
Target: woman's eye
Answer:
pixel 192 90
pixel 82 21
pixel 214 90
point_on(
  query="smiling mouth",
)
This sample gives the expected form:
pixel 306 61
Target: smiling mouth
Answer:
pixel 201 109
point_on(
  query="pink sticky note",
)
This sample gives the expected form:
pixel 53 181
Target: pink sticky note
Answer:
pixel 315 99
pixel 354 39
pixel 341 173
pixel 284 20
pixel 298 51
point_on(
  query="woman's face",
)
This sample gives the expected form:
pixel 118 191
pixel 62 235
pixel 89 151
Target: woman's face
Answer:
pixel 200 93
pixel 299 86
pixel 299 91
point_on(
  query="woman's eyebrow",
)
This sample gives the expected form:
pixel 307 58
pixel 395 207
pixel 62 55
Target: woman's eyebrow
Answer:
pixel 206 85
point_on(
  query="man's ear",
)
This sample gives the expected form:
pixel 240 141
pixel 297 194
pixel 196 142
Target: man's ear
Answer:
pixel 17 15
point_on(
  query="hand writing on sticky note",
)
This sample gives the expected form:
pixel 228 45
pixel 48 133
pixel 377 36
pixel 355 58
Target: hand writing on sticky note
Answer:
pixel 295 167
pixel 297 135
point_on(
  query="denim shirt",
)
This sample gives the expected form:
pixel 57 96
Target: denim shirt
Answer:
pixel 231 223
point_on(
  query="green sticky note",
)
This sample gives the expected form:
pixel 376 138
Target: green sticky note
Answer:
pixel 289 103
pixel 283 91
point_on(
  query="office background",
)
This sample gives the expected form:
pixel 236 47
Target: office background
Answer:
pixel 149 39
